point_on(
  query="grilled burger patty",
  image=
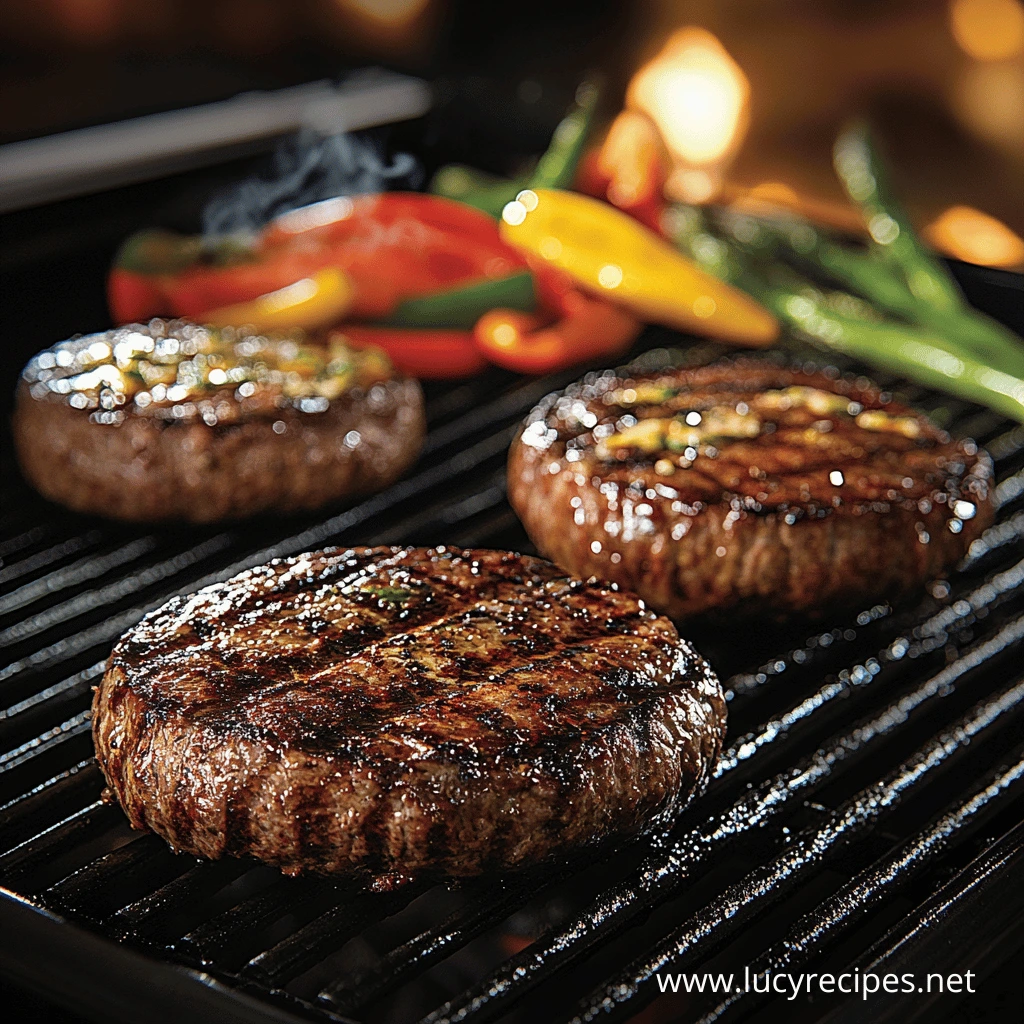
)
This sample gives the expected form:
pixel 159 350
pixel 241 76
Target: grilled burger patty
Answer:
pixel 746 486
pixel 174 421
pixel 402 712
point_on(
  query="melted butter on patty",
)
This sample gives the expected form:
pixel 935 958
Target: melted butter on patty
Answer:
pixel 180 371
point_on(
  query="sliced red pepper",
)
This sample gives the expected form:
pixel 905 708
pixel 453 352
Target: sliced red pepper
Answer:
pixel 394 246
pixel 589 329
pixel 132 296
pixel 427 354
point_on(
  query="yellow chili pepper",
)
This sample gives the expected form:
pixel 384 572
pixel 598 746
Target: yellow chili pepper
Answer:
pixel 612 254
pixel 317 301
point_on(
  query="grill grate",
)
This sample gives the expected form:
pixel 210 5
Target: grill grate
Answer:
pixel 852 788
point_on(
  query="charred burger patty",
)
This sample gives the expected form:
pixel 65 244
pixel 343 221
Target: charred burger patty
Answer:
pixel 746 486
pixel 402 712
pixel 174 421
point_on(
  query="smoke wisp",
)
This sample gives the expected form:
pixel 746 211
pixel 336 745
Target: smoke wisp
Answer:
pixel 308 168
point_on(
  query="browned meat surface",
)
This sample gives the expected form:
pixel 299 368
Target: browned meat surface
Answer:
pixel 402 712
pixel 171 421
pixel 745 486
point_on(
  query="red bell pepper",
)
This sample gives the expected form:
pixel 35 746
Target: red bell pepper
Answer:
pixel 587 328
pixel 427 354
pixel 393 246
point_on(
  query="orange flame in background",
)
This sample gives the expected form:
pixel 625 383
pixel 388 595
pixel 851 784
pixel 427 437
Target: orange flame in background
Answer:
pixel 699 99
pixel 988 29
pixel 973 236
pixel 393 14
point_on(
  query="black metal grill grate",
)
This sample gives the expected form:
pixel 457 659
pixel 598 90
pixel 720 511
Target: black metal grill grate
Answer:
pixel 869 764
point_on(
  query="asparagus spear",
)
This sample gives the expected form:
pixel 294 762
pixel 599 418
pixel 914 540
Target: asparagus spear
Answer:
pixel 941 304
pixel 874 279
pixel 915 353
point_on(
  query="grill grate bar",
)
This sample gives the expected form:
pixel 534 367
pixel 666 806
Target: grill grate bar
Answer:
pixel 983 905
pixel 80 682
pixel 837 914
pixel 41 559
pixel 627 992
pixel 491 904
pixel 804 713
pixel 25 812
pixel 46 741
pixel 200 881
pixel 72 575
pixel 666 870
pixel 24 857
pixel 238 923
pixel 85 890
pixel 20 541
pixel 311 944
pixel 125 586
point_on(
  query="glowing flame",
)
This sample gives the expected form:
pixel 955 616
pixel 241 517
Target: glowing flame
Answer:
pixel 988 29
pixel 698 97
pixel 971 235
pixel 388 13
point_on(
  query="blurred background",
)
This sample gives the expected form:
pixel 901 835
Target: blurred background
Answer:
pixel 942 79
pixel 734 102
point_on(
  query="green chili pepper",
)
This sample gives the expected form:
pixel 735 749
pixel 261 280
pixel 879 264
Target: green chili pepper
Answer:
pixel 555 169
pixel 486 192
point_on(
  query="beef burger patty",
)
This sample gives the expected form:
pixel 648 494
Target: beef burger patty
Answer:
pixel 746 486
pixel 175 421
pixel 404 712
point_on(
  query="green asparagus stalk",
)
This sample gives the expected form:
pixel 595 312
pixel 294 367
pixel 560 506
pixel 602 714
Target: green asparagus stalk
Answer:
pixel 874 279
pixel 910 351
pixel 894 239
pixel 941 304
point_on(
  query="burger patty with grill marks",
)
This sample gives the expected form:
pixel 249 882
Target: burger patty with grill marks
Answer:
pixel 402 712
pixel 746 486
pixel 170 420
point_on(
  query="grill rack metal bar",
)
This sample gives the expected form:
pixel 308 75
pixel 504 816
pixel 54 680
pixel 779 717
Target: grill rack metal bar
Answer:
pixel 842 910
pixel 983 903
pixel 721 918
pixel 984 606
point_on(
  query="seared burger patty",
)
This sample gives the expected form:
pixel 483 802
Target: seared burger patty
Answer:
pixel 746 486
pixel 403 712
pixel 174 421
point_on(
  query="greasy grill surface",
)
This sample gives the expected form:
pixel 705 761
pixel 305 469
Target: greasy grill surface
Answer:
pixel 872 761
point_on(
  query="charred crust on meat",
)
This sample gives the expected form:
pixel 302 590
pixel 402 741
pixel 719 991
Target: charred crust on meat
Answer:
pixel 515 715
pixel 747 486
